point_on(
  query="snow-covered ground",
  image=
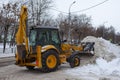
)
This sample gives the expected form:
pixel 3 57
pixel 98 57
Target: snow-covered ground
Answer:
pixel 10 51
pixel 102 67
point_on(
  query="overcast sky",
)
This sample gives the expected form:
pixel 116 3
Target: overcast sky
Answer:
pixel 107 13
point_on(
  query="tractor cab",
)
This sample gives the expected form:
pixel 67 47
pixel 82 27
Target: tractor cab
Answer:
pixel 44 36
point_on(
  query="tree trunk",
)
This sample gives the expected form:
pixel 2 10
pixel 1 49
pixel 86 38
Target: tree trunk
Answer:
pixel 5 38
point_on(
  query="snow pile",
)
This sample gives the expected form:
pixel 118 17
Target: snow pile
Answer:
pixel 102 67
pixel 107 60
pixel 103 48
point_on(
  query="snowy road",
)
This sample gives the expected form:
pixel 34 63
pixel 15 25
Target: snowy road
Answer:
pixel 13 72
pixel 6 61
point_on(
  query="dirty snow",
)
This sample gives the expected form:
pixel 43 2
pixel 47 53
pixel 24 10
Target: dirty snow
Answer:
pixel 107 59
pixel 104 48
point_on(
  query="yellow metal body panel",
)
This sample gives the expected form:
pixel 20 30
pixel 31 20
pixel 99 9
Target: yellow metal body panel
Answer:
pixel 77 48
pixel 62 58
pixel 48 47
pixel 39 57
pixel 66 49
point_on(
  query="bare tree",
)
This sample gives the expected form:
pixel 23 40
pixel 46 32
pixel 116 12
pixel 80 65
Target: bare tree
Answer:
pixel 118 38
pixel 8 18
pixel 111 32
pixel 80 25
pixel 38 10
pixel 61 21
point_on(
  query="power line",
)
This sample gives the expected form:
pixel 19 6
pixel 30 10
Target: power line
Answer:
pixel 58 11
pixel 90 7
pixel 82 9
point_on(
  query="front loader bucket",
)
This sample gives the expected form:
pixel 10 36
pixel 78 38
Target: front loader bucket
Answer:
pixel 88 49
pixel 89 46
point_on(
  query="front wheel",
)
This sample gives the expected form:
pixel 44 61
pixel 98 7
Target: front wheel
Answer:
pixel 74 61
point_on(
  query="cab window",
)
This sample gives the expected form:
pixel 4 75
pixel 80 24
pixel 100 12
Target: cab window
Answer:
pixel 55 37
pixel 32 37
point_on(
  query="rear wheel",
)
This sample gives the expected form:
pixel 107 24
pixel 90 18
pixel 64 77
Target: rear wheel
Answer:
pixel 74 61
pixel 50 61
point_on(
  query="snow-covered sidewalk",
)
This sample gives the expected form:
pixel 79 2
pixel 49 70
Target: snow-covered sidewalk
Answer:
pixel 6 55
pixel 9 51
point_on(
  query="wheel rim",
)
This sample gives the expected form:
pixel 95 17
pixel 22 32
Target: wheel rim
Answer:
pixel 76 61
pixel 51 61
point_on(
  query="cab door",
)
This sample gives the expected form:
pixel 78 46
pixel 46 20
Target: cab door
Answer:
pixel 55 39
pixel 43 37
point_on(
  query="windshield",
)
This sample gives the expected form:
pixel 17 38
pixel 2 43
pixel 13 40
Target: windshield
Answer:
pixel 32 37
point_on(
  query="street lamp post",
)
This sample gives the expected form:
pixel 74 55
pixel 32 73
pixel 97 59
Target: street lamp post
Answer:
pixel 69 22
pixel 103 34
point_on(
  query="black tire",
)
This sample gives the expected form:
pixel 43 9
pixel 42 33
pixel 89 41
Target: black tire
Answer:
pixel 48 58
pixel 30 67
pixel 74 61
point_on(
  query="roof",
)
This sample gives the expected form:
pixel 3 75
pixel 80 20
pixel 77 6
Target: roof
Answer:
pixel 47 27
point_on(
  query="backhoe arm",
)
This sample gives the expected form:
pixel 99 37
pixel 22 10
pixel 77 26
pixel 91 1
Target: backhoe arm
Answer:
pixel 21 35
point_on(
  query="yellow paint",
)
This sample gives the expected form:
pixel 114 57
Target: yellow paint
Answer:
pixel 51 61
pixel 77 48
pixel 62 58
pixel 48 47
pixel 21 37
pixel 66 47
pixel 39 57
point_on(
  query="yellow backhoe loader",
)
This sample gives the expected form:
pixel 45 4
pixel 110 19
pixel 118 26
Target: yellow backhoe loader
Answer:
pixel 42 47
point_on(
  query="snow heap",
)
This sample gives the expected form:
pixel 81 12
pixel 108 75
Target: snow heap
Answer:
pixel 107 59
pixel 103 48
pixel 102 67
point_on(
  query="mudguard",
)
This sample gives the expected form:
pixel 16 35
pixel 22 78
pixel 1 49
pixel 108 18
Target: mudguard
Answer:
pixel 49 47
